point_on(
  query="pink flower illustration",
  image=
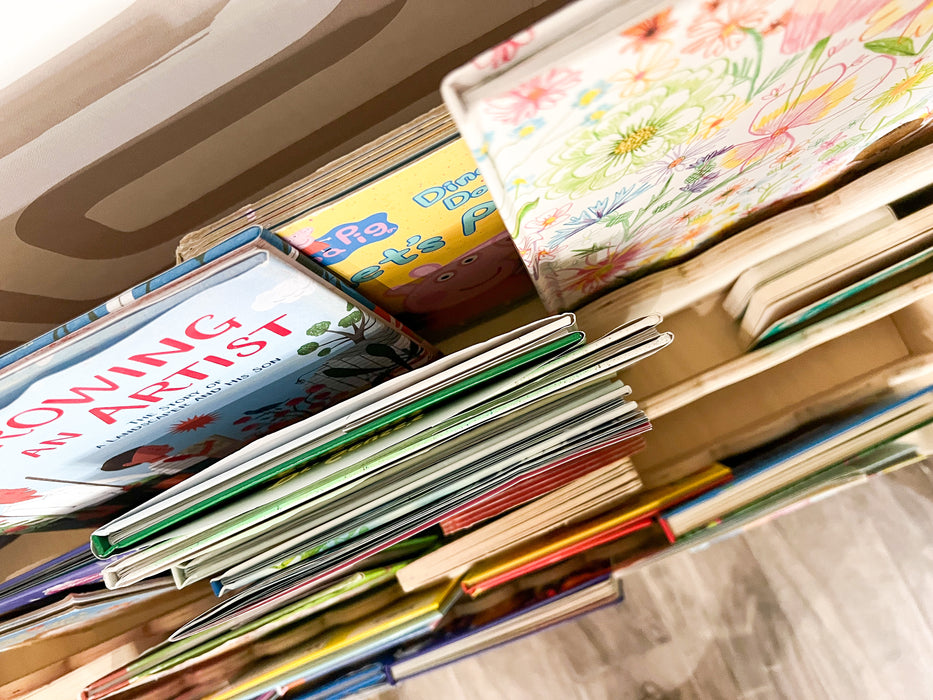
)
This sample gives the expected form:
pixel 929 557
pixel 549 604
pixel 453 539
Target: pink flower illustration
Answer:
pixel 602 268
pixel 539 93
pixel 533 252
pixel 812 20
pixel 722 28
pixel 545 221
pixel 828 93
pixel 504 52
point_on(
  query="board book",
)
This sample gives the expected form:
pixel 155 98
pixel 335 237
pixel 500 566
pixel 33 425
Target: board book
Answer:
pixel 407 221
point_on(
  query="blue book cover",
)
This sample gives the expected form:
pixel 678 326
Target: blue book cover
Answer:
pixel 240 240
pixel 367 677
pixel 235 345
pixel 780 451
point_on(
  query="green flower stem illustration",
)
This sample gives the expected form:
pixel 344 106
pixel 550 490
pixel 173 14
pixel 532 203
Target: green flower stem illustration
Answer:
pixel 759 57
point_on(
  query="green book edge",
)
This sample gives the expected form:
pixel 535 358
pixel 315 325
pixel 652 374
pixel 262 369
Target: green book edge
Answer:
pixel 102 547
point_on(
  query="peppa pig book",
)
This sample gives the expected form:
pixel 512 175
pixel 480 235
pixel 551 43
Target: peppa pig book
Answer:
pixel 230 351
pixel 425 242
pixel 406 220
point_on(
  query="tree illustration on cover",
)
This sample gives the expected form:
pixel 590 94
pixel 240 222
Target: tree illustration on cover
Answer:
pixel 355 327
pixel 336 380
pixel 636 150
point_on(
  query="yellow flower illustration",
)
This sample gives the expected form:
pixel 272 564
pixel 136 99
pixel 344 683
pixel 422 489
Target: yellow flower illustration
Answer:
pixel 903 88
pixel 716 121
pixel 919 18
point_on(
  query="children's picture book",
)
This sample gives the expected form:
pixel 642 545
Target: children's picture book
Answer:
pixel 882 459
pixel 406 220
pixel 620 138
pixel 235 349
pixel 531 604
pixel 425 242
pixel 75 570
pixel 241 609
pixel 183 655
pixel 409 618
pixel 835 270
pixel 621 522
pixel 873 285
pixel 537 483
pixel 793 458
pixel 77 611
pixel 368 678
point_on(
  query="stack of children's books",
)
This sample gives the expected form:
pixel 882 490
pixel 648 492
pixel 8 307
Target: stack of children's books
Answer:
pixel 314 530
pixel 367 509
pixel 302 451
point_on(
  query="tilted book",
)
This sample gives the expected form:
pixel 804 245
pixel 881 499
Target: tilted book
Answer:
pixel 233 349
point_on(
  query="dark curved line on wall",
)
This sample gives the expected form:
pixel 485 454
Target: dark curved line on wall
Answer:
pixel 139 35
pixel 18 307
pixel 63 207
pixel 56 220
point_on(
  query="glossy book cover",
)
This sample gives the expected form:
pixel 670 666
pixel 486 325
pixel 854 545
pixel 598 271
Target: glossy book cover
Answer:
pixel 249 348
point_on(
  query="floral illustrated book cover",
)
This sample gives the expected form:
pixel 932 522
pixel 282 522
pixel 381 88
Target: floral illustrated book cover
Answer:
pixel 251 343
pixel 616 139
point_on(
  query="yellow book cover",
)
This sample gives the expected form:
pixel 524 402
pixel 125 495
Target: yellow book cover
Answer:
pixel 425 242
pixel 348 643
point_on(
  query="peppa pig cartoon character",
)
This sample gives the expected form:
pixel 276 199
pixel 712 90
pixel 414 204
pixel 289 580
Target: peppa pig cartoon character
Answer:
pixel 484 278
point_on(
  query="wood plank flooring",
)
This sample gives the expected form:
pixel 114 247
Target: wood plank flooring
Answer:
pixel 833 600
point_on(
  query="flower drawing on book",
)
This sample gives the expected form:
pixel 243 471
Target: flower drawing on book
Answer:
pixel 724 25
pixel 651 32
pixel 529 98
pixel 797 90
pixel 503 53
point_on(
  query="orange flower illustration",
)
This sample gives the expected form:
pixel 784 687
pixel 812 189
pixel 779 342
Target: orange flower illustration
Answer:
pixel 650 67
pixel 648 32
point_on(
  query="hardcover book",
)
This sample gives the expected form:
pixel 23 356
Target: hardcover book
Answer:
pixel 619 138
pixel 425 242
pixel 236 348
pixel 407 220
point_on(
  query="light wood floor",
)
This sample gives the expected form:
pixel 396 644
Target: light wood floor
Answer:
pixel 833 600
